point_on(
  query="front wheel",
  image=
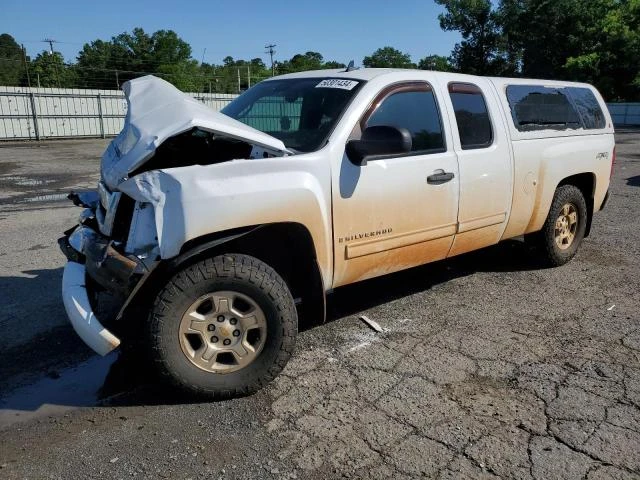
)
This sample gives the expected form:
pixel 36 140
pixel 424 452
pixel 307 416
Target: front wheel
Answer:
pixel 223 327
pixel 564 228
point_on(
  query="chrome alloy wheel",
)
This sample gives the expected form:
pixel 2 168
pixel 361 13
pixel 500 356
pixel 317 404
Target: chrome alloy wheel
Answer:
pixel 566 226
pixel 222 332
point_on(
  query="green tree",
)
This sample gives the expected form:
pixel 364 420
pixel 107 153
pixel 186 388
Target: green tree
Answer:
pixel 49 70
pixel 98 63
pixel 388 57
pixel 332 64
pixel 306 61
pixel 185 75
pixel 595 41
pixel 224 78
pixel 11 61
pixel 134 54
pixel 543 33
pixel 479 51
pixel 435 62
pixel 258 63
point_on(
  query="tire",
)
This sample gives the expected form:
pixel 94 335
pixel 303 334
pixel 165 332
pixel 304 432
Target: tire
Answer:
pixel 255 294
pixel 553 244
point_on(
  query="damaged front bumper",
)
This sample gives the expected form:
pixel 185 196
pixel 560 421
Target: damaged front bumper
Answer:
pixel 109 268
pixel 81 316
pixel 91 254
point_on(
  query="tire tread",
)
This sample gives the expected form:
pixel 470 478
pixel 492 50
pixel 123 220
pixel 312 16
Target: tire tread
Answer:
pixel 544 240
pixel 229 266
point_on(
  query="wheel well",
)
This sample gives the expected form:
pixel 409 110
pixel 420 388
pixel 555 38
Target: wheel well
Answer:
pixel 586 183
pixel 288 248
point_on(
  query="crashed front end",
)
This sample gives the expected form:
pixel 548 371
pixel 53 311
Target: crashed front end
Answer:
pixel 96 251
pixel 118 240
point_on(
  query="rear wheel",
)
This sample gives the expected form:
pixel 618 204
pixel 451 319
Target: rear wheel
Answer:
pixel 223 327
pixel 564 228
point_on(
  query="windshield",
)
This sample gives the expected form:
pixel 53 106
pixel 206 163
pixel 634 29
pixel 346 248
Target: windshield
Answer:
pixel 301 112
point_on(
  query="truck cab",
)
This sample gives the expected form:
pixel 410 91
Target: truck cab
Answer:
pixel 219 231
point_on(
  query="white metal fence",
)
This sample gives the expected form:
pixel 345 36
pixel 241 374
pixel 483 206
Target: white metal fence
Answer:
pixel 625 114
pixel 41 113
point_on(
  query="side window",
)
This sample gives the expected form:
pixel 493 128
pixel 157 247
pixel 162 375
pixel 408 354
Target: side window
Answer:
pixel 588 108
pixel 415 110
pixel 541 108
pixel 472 116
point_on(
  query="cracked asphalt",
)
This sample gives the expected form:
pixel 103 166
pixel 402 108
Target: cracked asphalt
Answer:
pixel 488 366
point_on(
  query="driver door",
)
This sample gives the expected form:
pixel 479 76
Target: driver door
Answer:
pixel 396 212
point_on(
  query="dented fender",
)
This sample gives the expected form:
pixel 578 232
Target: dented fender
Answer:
pixel 194 201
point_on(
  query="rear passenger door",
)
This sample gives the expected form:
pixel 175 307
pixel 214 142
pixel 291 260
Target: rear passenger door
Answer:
pixel 484 160
pixel 398 211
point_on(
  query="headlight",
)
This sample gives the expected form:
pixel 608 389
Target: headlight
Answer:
pixel 126 140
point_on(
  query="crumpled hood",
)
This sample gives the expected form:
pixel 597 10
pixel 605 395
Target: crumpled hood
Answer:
pixel 156 111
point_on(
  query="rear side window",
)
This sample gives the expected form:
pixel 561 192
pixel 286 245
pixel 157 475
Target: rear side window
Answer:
pixel 417 112
pixel 472 116
pixel 588 108
pixel 541 108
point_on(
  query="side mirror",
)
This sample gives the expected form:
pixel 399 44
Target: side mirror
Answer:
pixel 379 140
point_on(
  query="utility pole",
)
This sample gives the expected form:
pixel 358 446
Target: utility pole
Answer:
pixel 26 65
pixel 50 41
pixel 238 80
pixel 271 51
pixel 248 76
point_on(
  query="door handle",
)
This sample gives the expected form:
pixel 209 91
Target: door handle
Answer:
pixel 439 177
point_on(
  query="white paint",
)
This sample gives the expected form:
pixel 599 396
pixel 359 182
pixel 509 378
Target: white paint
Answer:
pixel 142 239
pixel 82 318
pixel 193 201
pixel 485 173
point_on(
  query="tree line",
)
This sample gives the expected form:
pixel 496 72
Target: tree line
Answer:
pixel 107 64
pixel 594 41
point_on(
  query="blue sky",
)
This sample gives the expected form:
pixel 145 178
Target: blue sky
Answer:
pixel 339 30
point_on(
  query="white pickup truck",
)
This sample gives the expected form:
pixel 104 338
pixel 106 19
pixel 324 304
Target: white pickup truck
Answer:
pixel 217 230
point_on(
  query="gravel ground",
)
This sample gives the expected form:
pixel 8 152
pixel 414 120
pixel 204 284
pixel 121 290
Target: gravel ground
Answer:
pixel 488 366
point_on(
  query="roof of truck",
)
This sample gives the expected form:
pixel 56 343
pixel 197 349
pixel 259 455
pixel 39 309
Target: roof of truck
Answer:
pixel 358 74
pixel 367 74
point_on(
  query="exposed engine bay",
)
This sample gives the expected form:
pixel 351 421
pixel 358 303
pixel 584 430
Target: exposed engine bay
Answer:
pixel 165 128
pixel 199 147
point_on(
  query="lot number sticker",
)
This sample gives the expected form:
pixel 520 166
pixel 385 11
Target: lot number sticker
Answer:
pixel 337 83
